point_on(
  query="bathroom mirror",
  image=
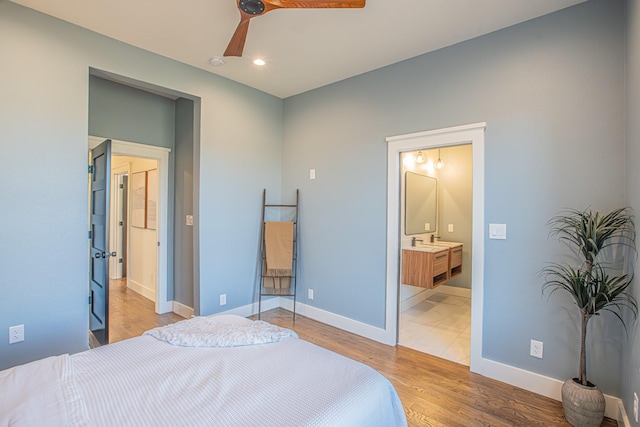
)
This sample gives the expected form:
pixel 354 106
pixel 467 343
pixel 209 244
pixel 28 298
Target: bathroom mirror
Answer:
pixel 420 204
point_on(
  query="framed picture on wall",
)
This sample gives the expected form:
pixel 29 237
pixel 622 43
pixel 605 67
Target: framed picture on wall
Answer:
pixel 139 199
pixel 152 198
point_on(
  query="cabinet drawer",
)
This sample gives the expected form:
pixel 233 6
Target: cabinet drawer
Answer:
pixel 440 262
pixel 456 256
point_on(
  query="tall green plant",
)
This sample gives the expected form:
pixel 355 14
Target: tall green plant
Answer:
pixel 592 288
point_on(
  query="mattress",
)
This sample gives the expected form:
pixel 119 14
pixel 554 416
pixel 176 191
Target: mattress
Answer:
pixel 144 381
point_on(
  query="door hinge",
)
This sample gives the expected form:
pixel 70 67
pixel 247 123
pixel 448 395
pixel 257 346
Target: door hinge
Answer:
pixel 89 233
pixel 89 299
pixel 121 185
pixel 120 261
pixel 90 169
pixel 158 243
pixel 121 223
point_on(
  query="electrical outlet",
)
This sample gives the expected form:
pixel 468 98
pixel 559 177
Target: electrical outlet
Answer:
pixel 310 293
pixel 536 349
pixel 635 406
pixel 16 334
pixel 223 299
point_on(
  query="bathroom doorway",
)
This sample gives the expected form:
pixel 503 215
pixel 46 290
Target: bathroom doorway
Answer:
pixel 436 216
pixel 446 137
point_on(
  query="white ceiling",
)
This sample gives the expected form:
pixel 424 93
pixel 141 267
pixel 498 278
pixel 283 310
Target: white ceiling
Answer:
pixel 304 48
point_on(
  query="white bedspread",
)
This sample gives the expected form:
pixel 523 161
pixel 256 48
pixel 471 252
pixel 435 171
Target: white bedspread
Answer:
pixel 147 382
pixel 41 393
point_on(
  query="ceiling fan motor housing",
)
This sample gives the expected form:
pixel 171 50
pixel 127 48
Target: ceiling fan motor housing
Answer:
pixel 252 7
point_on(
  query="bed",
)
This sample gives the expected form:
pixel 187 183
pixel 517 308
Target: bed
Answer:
pixel 200 374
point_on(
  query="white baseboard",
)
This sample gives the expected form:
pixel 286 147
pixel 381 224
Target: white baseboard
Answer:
pixel 141 289
pixel 442 289
pixel 539 384
pixel 623 419
pixel 182 310
pixel 454 290
pixel 340 322
pixel 251 309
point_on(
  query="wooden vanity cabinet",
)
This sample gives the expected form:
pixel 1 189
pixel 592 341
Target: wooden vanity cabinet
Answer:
pixel 425 269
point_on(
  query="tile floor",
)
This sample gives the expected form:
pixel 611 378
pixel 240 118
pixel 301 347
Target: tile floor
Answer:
pixel 439 325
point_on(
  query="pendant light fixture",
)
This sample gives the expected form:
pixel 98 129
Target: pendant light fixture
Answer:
pixel 439 164
pixel 420 157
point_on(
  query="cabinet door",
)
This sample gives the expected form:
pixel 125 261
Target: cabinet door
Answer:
pixel 415 266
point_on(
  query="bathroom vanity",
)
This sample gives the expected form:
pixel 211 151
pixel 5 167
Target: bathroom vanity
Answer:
pixel 430 265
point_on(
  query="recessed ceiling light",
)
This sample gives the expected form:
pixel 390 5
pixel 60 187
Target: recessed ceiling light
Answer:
pixel 216 61
pixel 259 62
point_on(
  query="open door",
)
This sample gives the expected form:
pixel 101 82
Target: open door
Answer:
pixel 99 241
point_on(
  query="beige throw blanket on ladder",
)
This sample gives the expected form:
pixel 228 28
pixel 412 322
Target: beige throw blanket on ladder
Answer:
pixel 278 240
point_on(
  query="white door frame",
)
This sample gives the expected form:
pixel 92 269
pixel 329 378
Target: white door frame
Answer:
pixel 467 134
pixel 161 154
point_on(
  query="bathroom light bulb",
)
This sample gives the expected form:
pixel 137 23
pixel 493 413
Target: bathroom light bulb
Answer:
pixel 420 158
pixel 439 164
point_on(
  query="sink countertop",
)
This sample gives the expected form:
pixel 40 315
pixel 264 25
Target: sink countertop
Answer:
pixel 425 248
pixel 445 244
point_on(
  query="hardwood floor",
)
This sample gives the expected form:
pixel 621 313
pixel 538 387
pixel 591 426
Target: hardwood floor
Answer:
pixel 130 314
pixel 434 392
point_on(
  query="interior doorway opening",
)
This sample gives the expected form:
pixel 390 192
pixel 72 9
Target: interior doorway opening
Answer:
pixel 436 224
pixel 137 234
pixel 466 134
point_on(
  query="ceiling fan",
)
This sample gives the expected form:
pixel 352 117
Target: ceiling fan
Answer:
pixel 252 8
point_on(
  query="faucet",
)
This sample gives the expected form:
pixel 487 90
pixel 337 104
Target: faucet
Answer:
pixel 414 240
pixel 433 238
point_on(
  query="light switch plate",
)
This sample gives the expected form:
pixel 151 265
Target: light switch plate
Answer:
pixel 312 174
pixel 450 228
pixel 498 231
pixel 189 220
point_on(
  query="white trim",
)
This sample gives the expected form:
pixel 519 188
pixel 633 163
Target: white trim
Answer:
pixel 467 134
pixel 161 154
pixel 540 384
pixel 139 288
pixel 335 320
pixel 182 310
pixel 623 419
pixel 426 293
pixel 251 309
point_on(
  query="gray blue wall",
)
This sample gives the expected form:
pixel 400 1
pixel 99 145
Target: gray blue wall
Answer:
pixel 552 93
pixel 630 379
pixel 121 112
pixel 43 215
pixel 183 256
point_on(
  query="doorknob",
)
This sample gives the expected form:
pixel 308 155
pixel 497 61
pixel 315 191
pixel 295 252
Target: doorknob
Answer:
pixel 104 254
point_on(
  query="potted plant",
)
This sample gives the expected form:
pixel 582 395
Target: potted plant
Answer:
pixel 595 285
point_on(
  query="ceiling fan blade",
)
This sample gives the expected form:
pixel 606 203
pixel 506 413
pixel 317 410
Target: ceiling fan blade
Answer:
pixel 316 4
pixel 236 45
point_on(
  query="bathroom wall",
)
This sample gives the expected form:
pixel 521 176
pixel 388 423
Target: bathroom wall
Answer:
pixel 454 204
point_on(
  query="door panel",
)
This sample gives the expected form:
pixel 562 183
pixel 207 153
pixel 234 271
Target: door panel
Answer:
pixel 99 241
